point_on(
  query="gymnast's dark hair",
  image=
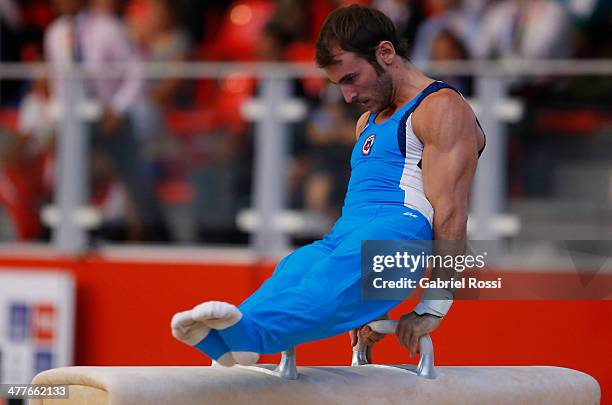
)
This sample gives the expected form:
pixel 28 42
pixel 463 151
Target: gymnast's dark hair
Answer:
pixel 356 29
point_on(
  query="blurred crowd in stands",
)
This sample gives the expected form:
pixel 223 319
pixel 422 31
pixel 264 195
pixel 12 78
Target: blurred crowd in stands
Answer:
pixel 171 159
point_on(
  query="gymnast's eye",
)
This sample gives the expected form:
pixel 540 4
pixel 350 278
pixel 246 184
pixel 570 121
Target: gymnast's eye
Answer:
pixel 348 79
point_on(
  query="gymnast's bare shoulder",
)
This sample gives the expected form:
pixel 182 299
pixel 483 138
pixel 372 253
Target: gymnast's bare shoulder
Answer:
pixel 361 124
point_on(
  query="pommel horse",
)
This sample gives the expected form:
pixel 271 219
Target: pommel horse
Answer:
pixel 360 383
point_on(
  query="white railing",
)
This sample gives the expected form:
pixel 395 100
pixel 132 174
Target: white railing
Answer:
pixel 271 113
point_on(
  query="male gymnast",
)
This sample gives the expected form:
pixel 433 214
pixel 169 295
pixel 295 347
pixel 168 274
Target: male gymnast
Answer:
pixel 416 152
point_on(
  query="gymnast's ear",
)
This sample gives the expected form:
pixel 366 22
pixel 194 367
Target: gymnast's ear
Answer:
pixel 386 52
pixel 361 124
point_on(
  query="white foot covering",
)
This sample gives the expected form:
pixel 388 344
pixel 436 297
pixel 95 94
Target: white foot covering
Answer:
pixel 216 314
pixel 221 315
pixel 245 358
pixel 226 360
pixel 188 330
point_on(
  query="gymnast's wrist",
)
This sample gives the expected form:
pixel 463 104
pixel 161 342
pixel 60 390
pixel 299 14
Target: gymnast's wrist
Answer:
pixel 435 301
pixel 437 308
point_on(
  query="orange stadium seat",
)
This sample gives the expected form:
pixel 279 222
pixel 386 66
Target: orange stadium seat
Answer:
pixel 240 31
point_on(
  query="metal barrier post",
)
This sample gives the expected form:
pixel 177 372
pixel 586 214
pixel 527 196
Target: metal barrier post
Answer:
pixel 269 175
pixel 489 190
pixel 72 176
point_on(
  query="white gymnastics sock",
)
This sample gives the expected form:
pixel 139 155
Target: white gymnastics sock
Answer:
pixel 245 358
pixel 221 315
pixel 216 314
pixel 226 360
pixel 188 330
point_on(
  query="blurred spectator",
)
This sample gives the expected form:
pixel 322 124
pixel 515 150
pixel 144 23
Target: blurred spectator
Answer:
pixel 407 15
pixel 11 33
pixel 36 118
pixel 160 39
pixel 200 19
pixel 272 47
pixel 447 47
pixel 36 123
pixel 10 13
pixel 331 136
pixel 459 19
pixel 25 152
pixel 26 168
pixel 593 20
pixel 397 10
pixel 291 18
pixel 94 37
pixel 274 41
pixel 534 29
pixel 106 7
pixel 155 26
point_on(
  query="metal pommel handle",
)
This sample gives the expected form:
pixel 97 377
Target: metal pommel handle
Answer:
pixel 424 369
pixel 287 368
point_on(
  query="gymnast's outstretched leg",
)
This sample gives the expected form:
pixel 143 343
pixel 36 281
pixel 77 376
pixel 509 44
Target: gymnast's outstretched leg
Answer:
pixel 199 326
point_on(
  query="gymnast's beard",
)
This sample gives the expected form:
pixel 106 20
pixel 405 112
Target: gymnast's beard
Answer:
pixel 384 87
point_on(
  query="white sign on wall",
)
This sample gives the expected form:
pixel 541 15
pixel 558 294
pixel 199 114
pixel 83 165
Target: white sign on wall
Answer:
pixel 36 322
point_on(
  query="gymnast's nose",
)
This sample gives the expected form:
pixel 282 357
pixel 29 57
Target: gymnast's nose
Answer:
pixel 349 93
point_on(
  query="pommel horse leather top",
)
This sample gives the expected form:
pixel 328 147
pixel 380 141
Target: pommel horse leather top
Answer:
pixel 357 384
pixel 321 385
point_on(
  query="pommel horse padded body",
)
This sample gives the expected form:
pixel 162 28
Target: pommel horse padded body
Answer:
pixel 361 383
pixel 352 385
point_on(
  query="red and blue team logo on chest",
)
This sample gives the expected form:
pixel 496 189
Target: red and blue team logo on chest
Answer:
pixel 367 145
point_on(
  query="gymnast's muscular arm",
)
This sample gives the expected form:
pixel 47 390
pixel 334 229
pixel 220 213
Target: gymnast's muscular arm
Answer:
pixel 447 127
